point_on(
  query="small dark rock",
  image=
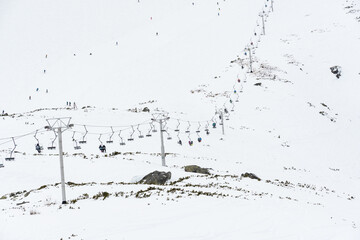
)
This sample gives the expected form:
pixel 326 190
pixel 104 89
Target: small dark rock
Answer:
pixel 146 109
pixel 250 175
pixel 257 84
pixel 196 169
pixel 156 177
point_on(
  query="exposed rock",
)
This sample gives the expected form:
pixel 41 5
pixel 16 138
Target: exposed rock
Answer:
pixel 250 175
pixel 196 169
pixel 146 109
pixel 258 84
pixel 156 177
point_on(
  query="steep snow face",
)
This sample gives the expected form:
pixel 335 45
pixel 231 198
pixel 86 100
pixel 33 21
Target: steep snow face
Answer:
pixel 296 126
pixel 117 53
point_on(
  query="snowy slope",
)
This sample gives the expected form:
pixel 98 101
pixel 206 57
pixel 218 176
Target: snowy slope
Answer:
pixel 298 131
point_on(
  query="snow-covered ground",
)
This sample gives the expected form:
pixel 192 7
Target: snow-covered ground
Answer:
pixel 295 125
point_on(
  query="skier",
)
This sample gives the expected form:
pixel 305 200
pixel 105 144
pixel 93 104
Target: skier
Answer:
pixel 214 125
pixel 199 139
pixel 336 70
pixel 180 142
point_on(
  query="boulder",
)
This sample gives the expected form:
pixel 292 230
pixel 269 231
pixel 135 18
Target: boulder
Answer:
pixel 156 177
pixel 250 175
pixel 196 169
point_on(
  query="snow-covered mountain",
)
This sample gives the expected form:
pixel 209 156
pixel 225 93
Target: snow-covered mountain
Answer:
pixel 291 121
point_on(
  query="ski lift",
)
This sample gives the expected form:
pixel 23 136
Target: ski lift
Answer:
pixel 11 158
pixel 179 140
pixel 83 141
pixel 149 132
pixel 52 147
pixel 168 137
pixel 188 129
pixel 102 147
pixel 38 147
pixel 207 126
pixel 207 131
pixel 76 146
pixel 122 143
pixel 198 130
pixel 199 138
pixel 177 127
pixel 140 135
pixel 164 127
pixel 110 138
pixel 131 135
pixel 153 127
pixel 191 142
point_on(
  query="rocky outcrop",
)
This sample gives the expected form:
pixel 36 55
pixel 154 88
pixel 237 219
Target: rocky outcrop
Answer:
pixel 156 177
pixel 250 175
pixel 196 169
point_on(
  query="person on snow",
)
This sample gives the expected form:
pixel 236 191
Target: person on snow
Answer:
pixel 336 70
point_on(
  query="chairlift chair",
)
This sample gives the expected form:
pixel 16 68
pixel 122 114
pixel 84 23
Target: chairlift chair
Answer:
pixel 177 127
pixel 38 147
pixel 83 141
pixel 131 136
pixel 168 137
pixel 110 138
pixel 140 134
pixel 76 146
pixel 122 143
pixel 179 140
pixel 164 127
pixel 149 132
pixel 188 129
pixel 11 158
pixel 153 128
pixel 198 130
pixel 52 147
